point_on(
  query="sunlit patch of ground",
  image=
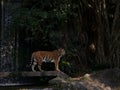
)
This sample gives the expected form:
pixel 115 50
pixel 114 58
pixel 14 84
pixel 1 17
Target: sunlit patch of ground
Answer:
pixel 102 80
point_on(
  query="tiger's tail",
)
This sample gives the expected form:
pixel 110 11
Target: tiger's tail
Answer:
pixel 32 60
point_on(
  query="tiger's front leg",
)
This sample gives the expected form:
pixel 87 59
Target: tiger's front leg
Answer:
pixel 57 65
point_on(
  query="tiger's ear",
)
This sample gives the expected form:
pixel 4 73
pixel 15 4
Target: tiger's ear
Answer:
pixel 60 49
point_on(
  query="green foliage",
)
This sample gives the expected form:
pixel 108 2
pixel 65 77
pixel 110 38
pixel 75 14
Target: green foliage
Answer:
pixel 41 23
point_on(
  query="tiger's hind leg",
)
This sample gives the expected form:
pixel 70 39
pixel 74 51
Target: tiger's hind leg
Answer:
pixel 39 65
pixel 33 66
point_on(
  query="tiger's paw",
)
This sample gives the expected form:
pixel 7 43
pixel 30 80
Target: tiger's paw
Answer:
pixel 33 70
pixel 58 70
pixel 41 70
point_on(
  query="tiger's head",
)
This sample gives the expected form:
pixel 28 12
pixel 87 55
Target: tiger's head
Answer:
pixel 61 51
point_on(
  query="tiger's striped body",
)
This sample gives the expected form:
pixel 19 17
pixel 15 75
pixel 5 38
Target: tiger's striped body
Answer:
pixel 46 56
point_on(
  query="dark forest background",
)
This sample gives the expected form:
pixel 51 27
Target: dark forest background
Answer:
pixel 88 30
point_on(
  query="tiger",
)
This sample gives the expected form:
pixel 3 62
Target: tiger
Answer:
pixel 46 56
